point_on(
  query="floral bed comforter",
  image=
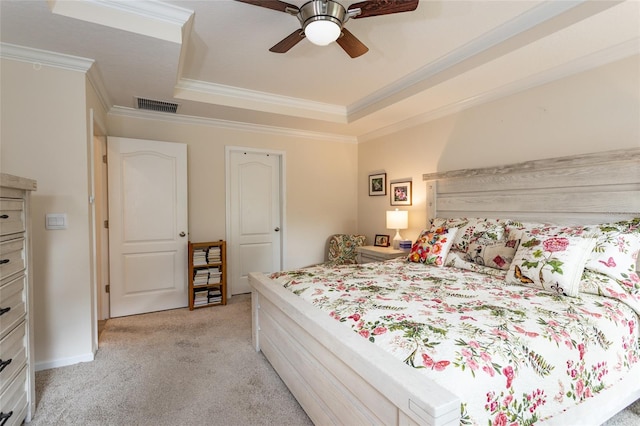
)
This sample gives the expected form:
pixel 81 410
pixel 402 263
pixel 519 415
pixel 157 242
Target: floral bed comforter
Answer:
pixel 513 354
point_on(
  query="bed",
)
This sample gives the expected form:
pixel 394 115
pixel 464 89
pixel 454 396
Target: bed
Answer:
pixel 457 340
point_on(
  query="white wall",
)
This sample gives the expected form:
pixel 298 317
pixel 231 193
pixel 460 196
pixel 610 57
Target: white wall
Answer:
pixel 594 111
pixel 321 192
pixel 44 137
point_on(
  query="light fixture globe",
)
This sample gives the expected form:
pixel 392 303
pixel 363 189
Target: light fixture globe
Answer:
pixel 322 32
pixel 322 21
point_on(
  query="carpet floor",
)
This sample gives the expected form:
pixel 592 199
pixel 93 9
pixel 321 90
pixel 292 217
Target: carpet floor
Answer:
pixel 176 367
pixel 180 367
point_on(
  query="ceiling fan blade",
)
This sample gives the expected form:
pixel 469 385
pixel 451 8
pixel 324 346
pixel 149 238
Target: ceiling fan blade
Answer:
pixel 351 44
pixel 288 42
pixel 383 7
pixel 271 4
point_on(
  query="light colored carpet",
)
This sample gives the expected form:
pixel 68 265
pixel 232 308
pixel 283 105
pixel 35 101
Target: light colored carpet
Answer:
pixel 180 367
pixel 175 367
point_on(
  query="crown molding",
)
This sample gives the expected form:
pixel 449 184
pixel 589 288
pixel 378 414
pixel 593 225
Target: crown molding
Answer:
pixel 229 125
pixel 478 50
pixel 96 81
pixel 44 57
pixel 201 91
pixel 603 57
pixel 151 18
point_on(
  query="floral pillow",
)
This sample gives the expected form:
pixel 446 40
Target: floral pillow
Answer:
pixel 432 246
pixel 550 262
pixel 455 260
pixel 616 253
pixel 497 255
pixel 515 229
pixel 471 230
pixel 602 285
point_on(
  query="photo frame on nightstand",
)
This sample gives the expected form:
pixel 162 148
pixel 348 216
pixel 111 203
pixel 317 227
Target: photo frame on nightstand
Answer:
pixel 381 241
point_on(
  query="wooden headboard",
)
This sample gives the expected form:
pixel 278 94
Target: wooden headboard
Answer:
pixel 578 190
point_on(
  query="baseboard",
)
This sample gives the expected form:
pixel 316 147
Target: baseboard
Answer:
pixel 63 362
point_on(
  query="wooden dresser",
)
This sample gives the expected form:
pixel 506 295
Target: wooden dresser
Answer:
pixel 17 379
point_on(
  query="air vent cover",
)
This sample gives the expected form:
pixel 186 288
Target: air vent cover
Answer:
pixel 154 105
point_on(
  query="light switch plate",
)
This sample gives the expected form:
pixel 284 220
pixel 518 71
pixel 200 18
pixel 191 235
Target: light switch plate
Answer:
pixel 56 221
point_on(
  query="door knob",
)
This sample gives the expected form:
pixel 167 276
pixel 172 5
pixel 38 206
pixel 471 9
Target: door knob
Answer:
pixel 277 229
pixel 182 234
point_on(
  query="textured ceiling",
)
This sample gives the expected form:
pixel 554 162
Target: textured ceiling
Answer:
pixel 212 56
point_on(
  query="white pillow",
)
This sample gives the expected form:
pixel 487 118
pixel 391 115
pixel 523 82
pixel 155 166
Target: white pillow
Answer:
pixel 550 262
pixel 497 254
pixel 470 230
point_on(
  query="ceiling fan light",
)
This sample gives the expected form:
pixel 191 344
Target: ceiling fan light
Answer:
pixel 322 32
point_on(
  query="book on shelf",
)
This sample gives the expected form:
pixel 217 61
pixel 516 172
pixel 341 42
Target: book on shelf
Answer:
pixel 214 255
pixel 199 257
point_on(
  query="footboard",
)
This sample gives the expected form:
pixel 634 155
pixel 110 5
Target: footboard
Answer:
pixel 336 376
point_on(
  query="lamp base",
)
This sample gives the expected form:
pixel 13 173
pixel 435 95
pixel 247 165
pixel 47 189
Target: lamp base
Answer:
pixel 396 240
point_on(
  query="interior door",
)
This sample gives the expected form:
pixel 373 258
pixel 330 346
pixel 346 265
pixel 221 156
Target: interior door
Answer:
pixel 147 225
pixel 254 216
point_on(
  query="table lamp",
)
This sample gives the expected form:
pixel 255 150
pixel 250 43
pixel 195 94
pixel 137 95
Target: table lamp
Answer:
pixel 397 219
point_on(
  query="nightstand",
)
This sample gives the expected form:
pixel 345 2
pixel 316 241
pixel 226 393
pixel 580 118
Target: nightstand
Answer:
pixel 368 254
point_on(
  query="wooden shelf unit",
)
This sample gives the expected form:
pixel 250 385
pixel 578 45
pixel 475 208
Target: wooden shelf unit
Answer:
pixel 207 274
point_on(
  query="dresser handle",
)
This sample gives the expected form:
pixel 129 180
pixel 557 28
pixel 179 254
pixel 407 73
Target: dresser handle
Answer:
pixel 4 417
pixel 3 364
pixel 3 261
pixel 4 310
pixel 4 216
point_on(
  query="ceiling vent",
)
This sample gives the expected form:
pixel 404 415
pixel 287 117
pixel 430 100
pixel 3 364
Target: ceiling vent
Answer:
pixel 158 106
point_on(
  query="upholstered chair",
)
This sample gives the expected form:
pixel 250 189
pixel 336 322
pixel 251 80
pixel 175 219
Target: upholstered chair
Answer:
pixel 342 249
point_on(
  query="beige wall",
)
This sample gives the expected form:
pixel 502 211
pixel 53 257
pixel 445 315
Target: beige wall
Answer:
pixel 594 111
pixel 321 176
pixel 44 137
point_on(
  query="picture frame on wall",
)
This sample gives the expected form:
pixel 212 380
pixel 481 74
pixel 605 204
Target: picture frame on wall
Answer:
pixel 400 193
pixel 381 241
pixel 378 184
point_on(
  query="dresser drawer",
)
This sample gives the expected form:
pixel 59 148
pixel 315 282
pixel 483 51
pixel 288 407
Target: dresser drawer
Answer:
pixel 11 257
pixel 14 399
pixel 11 216
pixel 12 304
pixel 13 355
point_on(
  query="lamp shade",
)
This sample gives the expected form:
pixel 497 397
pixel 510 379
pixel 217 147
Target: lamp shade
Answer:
pixel 397 219
pixel 322 32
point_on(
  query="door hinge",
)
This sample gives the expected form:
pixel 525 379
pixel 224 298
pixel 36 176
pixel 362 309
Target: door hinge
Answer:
pixel 104 159
pixel 106 224
pixel 107 288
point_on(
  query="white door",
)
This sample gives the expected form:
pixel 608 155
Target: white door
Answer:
pixel 147 225
pixel 254 208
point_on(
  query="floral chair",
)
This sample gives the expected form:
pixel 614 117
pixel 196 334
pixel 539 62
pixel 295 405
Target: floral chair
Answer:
pixel 342 249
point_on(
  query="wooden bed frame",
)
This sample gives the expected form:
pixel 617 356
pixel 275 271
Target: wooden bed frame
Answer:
pixel 336 375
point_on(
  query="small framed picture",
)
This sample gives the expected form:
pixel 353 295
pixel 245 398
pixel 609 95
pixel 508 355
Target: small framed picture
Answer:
pixel 381 241
pixel 378 184
pixel 400 193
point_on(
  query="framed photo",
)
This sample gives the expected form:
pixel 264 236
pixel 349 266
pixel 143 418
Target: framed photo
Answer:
pixel 400 193
pixel 381 241
pixel 378 184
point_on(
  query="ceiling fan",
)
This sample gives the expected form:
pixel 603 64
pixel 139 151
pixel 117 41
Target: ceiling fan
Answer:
pixel 323 21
